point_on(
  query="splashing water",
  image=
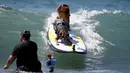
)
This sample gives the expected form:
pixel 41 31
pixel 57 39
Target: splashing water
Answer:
pixel 83 24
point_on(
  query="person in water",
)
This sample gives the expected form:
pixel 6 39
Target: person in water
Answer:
pixel 25 54
pixel 61 23
pixel 50 63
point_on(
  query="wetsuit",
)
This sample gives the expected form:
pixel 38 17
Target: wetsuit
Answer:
pixel 27 59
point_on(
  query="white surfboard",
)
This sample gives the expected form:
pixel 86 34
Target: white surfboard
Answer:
pixel 78 45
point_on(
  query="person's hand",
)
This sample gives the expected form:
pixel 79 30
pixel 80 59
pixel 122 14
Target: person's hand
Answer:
pixel 5 67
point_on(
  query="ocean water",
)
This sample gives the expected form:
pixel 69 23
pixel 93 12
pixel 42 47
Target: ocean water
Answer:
pixel 104 26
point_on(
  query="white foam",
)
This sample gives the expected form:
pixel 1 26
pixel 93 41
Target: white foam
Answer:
pixel 83 23
pixel 25 18
pixel 48 22
pixel 44 36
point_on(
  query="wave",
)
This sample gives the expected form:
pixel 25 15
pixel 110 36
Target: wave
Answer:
pixel 82 22
pixel 4 7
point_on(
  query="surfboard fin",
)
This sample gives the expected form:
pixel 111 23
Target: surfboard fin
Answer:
pixel 73 47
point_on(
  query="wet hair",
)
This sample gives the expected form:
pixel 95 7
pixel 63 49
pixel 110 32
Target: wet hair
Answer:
pixel 63 8
pixel 65 5
pixel 67 11
pixel 26 34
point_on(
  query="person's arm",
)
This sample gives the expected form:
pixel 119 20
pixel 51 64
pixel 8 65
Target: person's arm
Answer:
pixel 9 61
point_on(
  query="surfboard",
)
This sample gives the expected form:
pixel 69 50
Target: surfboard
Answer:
pixel 77 46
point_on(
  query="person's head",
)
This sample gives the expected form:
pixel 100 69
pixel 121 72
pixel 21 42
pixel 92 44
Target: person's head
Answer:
pixel 63 11
pixel 25 35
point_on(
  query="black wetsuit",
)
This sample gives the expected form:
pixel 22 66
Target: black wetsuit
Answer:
pixel 27 58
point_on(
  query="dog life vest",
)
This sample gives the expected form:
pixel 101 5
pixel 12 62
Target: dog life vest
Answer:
pixel 60 24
